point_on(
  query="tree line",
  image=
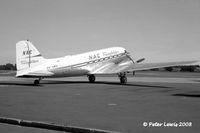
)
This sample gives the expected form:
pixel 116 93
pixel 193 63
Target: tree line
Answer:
pixel 8 66
pixel 191 68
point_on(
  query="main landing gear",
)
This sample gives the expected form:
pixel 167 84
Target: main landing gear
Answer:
pixel 123 78
pixel 37 81
pixel 91 78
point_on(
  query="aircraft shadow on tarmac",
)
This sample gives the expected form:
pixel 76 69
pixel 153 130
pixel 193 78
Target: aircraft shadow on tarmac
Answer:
pixel 79 82
pixel 187 95
pixel 103 82
pixel 19 84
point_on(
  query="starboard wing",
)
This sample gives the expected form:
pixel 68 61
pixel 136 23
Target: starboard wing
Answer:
pixel 112 68
pixel 147 66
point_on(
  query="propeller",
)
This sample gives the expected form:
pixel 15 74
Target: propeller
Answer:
pixel 128 55
pixel 140 60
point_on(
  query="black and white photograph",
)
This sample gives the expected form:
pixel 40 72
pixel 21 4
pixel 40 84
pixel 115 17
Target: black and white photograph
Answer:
pixel 99 66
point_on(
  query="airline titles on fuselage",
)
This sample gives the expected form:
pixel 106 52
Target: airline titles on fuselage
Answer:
pixel 110 53
pixel 104 54
pixel 94 56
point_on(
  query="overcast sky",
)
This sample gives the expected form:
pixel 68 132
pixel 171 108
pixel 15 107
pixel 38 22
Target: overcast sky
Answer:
pixel 159 30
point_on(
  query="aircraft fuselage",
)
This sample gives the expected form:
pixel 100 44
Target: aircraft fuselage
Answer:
pixel 78 65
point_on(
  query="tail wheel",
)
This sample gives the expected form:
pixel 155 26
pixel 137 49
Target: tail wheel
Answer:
pixel 36 82
pixel 123 80
pixel 91 78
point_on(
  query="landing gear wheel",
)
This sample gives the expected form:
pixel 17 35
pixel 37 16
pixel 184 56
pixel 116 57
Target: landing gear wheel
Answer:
pixel 122 77
pixel 36 82
pixel 91 78
pixel 123 80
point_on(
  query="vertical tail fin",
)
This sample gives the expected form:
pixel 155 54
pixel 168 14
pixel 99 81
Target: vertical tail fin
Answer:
pixel 27 55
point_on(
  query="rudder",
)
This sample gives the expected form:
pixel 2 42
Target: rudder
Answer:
pixel 27 55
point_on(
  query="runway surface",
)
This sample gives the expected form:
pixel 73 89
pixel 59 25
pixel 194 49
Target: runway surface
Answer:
pixel 148 97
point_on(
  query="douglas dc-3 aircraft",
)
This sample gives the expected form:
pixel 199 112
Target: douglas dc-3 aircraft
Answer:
pixel 115 60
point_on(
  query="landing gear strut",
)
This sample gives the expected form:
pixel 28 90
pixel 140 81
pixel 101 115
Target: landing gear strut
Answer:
pixel 91 78
pixel 37 81
pixel 123 78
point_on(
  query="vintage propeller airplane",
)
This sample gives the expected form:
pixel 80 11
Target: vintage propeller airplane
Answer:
pixel 114 60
